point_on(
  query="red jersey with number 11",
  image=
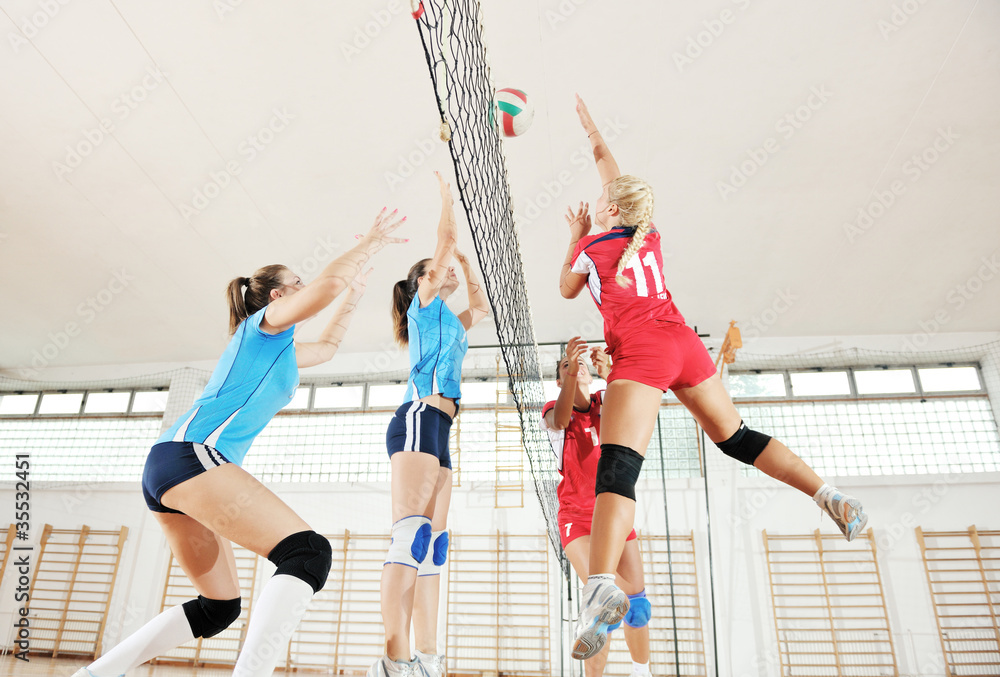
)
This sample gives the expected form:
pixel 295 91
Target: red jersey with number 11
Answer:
pixel 577 449
pixel 625 309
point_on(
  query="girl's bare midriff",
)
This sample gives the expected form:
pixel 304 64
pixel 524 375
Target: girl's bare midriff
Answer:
pixel 439 401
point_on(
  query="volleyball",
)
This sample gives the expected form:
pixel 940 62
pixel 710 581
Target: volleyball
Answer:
pixel 515 111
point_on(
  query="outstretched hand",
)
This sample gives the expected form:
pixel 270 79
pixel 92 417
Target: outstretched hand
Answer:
pixel 575 350
pixel 579 221
pixel 601 361
pixel 585 119
pixel 446 198
pixel 378 236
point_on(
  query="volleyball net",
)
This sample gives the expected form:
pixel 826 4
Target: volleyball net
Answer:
pixel 452 37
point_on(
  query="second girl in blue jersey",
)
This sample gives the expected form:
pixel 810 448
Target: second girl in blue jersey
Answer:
pixel 417 442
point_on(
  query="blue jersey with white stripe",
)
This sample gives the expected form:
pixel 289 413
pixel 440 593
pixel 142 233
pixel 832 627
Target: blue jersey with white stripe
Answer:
pixel 438 343
pixel 255 377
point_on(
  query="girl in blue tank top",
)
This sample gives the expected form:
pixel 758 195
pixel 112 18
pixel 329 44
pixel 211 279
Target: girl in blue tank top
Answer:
pixel 421 474
pixel 204 500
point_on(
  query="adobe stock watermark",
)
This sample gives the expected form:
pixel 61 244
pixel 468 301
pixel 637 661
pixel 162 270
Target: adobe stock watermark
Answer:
pixel 248 149
pixel 371 29
pixel 956 299
pixel 899 16
pixel 32 24
pixel 121 108
pixel 223 8
pixel 408 162
pixel 759 324
pixel 712 30
pixel 921 503
pixel 914 168
pixel 87 311
pixel 581 159
pixel 562 13
pixel 786 127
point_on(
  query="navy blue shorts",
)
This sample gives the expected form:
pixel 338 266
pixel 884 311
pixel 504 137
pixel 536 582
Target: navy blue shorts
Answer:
pixel 170 463
pixel 417 426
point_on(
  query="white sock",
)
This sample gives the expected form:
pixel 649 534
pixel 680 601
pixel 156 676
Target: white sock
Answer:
pixel 424 656
pixel 276 614
pixel 600 577
pixel 821 495
pixel 640 668
pixel 165 632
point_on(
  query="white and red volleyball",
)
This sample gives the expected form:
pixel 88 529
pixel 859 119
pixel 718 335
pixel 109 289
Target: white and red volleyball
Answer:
pixel 514 111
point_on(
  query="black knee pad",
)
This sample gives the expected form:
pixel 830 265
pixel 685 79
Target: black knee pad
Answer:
pixel 618 470
pixel 305 555
pixel 209 617
pixel 745 445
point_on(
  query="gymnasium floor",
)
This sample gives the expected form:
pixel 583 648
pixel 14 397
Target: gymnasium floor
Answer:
pixel 65 667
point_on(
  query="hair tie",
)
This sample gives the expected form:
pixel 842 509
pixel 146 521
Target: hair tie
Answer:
pixel 247 283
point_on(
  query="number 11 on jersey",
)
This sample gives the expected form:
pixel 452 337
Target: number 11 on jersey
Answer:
pixel 637 266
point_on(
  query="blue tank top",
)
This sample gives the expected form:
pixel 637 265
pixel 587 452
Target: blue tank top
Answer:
pixel 255 377
pixel 438 343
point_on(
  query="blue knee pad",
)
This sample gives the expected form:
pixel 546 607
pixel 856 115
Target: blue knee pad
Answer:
pixel 431 566
pixel 639 611
pixel 612 628
pixel 411 538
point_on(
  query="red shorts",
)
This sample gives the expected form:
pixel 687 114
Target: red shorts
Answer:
pixel 572 530
pixel 665 355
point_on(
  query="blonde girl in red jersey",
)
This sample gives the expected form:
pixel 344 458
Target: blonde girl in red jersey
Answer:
pixel 652 351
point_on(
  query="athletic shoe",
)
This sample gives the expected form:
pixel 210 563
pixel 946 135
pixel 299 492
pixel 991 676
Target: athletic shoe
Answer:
pixel 433 664
pixel 603 604
pixel 385 667
pixel 84 672
pixel 846 512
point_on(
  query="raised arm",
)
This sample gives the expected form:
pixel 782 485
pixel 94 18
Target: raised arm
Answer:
pixel 447 237
pixel 569 394
pixel 323 349
pixel 570 283
pixel 290 309
pixel 479 303
pixel 606 165
pixel 602 362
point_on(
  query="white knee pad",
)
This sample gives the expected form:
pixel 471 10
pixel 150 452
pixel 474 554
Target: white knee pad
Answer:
pixel 411 538
pixel 438 555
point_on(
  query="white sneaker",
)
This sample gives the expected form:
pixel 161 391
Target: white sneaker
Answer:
pixel 602 604
pixel 84 672
pixel 385 667
pixel 846 512
pixel 433 664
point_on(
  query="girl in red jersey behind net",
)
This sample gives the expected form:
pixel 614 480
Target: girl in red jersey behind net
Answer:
pixel 573 422
pixel 652 351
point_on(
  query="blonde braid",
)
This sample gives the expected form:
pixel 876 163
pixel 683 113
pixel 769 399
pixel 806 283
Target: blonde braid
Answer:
pixel 631 195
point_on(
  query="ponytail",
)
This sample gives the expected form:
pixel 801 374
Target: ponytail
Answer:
pixel 634 198
pixel 402 296
pixel 245 302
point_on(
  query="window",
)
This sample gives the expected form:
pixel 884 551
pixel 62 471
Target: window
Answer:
pixel 149 401
pixel 386 395
pixel 61 403
pixel 757 385
pixel 339 397
pixel 106 403
pixel 820 383
pixel 949 379
pixel 883 381
pixel 18 405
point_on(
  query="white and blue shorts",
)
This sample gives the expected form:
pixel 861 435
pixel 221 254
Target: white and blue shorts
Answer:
pixel 417 426
pixel 170 463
